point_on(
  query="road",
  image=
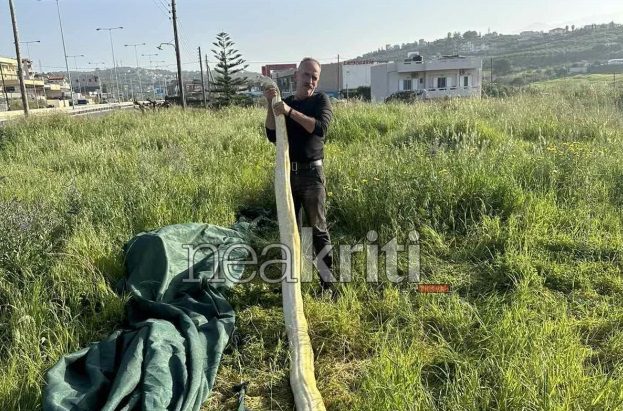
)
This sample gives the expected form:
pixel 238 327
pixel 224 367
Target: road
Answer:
pixel 98 109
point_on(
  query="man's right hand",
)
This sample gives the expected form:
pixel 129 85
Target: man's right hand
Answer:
pixel 270 93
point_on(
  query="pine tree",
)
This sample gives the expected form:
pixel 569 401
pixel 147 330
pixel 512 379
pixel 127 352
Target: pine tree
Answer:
pixel 230 62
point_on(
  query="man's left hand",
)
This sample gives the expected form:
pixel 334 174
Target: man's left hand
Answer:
pixel 281 108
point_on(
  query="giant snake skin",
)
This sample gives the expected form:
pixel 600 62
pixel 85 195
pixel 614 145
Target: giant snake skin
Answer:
pixel 302 379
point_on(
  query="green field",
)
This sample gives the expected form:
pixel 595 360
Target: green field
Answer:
pixel 517 202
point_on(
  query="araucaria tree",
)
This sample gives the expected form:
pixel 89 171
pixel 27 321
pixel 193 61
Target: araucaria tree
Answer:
pixel 226 84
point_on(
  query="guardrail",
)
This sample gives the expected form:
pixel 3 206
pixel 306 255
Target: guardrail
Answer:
pixel 78 111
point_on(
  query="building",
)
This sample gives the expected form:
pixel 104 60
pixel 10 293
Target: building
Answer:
pixel 335 78
pixel 270 68
pixel 86 83
pixel 557 30
pixel 530 34
pixel 285 81
pixel 330 79
pixel 357 74
pixel 9 79
pixel 449 76
pixel 57 88
pixel 615 61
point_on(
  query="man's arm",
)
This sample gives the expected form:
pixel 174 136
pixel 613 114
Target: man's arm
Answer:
pixel 323 116
pixel 271 133
pixel 308 123
pixel 270 118
pixel 320 123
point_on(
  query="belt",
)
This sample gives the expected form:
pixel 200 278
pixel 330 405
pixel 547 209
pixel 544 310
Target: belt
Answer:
pixel 299 165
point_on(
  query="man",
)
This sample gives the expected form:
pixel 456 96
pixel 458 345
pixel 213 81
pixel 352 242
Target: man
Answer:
pixel 307 116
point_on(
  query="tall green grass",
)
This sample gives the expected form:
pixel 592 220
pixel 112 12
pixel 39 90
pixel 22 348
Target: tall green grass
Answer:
pixel 517 202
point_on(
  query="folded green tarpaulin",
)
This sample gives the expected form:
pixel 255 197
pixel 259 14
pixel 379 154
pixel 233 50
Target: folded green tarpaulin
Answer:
pixel 168 357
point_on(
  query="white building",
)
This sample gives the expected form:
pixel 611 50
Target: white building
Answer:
pixel 286 81
pixel 450 76
pixel 357 74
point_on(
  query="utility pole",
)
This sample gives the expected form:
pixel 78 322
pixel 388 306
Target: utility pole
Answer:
pixel 338 75
pixel 20 70
pixel 6 95
pixel 209 75
pixel 138 70
pixel 203 85
pixel 177 55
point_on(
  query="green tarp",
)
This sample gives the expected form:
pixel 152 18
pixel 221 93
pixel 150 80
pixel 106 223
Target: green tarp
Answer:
pixel 168 356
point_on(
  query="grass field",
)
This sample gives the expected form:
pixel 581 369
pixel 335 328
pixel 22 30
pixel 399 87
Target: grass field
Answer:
pixel 517 202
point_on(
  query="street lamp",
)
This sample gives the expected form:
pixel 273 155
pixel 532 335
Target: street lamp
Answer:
pixel 138 71
pixel 99 83
pixel 60 23
pixel 164 92
pixel 28 43
pixel 151 67
pixel 168 44
pixel 179 83
pixel 76 67
pixel 112 47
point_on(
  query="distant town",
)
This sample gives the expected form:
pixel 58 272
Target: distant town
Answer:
pixel 456 66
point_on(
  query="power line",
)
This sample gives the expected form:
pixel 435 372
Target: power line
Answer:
pixel 167 6
pixel 164 10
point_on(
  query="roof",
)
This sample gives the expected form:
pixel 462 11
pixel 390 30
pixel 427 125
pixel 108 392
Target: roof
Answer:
pixel 8 60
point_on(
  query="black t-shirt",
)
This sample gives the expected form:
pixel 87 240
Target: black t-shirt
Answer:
pixel 304 146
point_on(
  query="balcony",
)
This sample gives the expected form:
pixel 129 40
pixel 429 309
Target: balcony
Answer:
pixel 442 64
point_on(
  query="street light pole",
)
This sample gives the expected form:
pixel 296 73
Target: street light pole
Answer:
pixel 164 89
pixel 76 67
pixel 99 83
pixel 112 48
pixel 60 23
pixel 28 43
pixel 138 71
pixel 151 67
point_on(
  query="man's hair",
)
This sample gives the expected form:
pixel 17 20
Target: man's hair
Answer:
pixel 313 60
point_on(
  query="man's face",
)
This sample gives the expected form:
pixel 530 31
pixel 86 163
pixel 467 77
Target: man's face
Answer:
pixel 307 77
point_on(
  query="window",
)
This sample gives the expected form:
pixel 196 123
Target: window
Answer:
pixel 465 81
pixel 441 82
pixel 407 85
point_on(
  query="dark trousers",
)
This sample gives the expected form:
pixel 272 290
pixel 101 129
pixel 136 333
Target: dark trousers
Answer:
pixel 310 195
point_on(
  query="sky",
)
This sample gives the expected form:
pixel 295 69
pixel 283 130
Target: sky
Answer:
pixel 268 31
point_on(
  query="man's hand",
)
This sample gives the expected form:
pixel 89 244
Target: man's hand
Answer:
pixel 278 108
pixel 270 93
pixel 281 108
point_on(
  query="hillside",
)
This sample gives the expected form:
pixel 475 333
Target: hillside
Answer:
pixel 517 202
pixel 594 44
